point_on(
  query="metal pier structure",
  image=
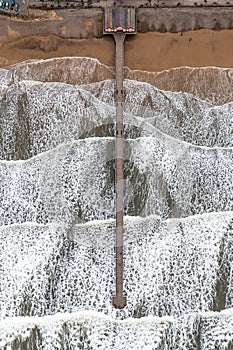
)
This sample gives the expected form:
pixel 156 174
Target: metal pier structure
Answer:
pixel 119 22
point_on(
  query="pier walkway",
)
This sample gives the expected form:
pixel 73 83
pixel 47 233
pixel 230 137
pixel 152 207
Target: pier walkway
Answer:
pixel 119 22
pixel 119 300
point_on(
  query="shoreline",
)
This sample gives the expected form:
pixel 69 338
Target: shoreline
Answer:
pixel 151 51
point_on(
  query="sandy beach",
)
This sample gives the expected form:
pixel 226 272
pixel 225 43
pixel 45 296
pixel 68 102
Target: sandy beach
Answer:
pixel 150 51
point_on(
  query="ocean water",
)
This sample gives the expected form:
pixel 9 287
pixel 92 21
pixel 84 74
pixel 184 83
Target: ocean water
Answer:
pixel 58 199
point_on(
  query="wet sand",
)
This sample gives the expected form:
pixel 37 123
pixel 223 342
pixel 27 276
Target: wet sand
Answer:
pixel 158 51
pixel 150 51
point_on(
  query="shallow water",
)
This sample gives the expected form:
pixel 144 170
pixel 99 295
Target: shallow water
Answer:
pixel 57 208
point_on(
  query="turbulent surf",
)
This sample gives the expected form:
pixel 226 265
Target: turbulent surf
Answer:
pixel 57 208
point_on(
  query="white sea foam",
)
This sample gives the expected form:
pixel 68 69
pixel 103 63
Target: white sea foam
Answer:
pixel 57 208
pixel 97 331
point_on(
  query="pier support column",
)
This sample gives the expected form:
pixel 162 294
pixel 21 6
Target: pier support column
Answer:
pixel 119 300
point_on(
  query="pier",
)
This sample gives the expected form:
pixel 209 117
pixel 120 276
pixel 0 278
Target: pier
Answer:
pixel 119 300
pixel 119 22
